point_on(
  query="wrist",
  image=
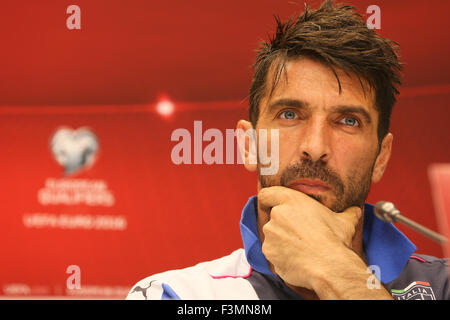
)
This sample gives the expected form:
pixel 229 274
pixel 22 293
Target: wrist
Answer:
pixel 337 262
pixel 345 277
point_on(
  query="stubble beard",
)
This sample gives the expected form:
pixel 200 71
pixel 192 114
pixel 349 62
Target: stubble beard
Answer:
pixel 354 193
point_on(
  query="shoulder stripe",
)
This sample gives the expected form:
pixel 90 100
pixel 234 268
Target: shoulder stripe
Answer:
pixel 168 293
pixel 418 258
pixel 234 277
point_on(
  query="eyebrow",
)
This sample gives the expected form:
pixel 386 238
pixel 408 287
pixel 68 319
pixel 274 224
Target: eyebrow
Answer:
pixel 299 104
pixel 288 103
pixel 354 109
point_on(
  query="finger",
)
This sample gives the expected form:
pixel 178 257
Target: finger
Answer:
pixel 273 196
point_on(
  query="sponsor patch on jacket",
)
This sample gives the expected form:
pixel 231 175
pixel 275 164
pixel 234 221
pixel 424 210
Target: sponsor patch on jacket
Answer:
pixel 417 290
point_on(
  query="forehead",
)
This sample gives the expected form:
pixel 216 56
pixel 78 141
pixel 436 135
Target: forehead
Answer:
pixel 315 83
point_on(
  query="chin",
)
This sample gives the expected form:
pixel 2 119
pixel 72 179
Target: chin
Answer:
pixel 324 200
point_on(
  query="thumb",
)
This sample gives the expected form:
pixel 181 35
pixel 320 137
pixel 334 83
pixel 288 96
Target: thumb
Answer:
pixel 347 224
pixel 352 215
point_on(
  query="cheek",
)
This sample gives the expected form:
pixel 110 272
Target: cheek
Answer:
pixel 354 156
pixel 288 147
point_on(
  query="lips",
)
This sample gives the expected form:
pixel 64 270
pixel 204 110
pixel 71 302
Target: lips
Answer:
pixel 309 186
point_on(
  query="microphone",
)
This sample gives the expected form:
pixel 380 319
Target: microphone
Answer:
pixel 387 212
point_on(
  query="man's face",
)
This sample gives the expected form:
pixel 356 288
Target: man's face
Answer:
pixel 328 140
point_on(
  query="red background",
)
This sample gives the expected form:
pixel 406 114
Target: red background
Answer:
pixel 108 76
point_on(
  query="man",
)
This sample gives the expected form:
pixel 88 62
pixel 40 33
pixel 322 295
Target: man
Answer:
pixel 327 84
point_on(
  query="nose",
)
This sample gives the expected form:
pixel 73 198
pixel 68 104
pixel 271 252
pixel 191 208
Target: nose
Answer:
pixel 315 142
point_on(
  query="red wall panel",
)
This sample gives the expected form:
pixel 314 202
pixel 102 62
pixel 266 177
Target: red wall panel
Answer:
pixel 107 76
pixel 176 215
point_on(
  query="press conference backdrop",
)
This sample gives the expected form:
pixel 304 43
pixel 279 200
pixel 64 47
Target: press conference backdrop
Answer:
pixel 89 185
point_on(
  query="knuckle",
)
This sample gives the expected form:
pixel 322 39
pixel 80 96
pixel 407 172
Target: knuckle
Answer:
pixel 266 190
pixel 262 191
pixel 265 228
pixel 292 196
pixel 274 212
pixel 350 231
pixel 351 228
pixel 265 249
pixel 261 194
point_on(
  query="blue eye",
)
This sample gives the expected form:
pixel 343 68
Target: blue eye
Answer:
pixel 289 115
pixel 350 121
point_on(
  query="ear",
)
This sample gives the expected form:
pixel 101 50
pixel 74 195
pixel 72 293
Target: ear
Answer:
pixel 382 158
pixel 247 144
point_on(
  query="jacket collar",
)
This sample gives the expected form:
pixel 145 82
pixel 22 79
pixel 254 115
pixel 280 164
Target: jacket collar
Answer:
pixel 384 245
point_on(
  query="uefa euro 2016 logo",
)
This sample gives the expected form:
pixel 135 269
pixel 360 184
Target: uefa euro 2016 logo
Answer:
pixel 74 149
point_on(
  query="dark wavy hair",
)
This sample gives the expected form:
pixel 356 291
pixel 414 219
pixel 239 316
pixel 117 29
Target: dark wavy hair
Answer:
pixel 338 37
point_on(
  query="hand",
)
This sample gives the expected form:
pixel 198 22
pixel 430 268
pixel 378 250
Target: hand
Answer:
pixel 304 240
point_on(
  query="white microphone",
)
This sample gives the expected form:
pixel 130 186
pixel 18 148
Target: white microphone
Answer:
pixel 387 212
